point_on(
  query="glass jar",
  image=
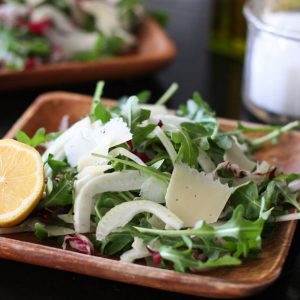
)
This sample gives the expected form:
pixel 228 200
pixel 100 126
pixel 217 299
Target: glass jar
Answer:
pixel 271 89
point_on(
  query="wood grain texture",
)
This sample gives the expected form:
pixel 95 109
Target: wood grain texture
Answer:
pixel 252 276
pixel 154 50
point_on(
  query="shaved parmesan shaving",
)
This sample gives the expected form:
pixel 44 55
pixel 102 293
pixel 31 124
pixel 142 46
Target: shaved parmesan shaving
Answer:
pixel 236 156
pixel 111 182
pixel 205 162
pixel 57 147
pixel 83 142
pixel 121 214
pixel 166 142
pixel 124 152
pixel 91 160
pixel 119 131
pixel 138 251
pixel 194 196
pixel 154 189
pixel 84 138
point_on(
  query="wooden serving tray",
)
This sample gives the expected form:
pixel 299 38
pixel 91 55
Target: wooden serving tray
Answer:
pixel 252 276
pixel 154 50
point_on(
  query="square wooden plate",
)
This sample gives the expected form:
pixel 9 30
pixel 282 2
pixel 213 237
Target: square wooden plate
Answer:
pixel 252 276
pixel 154 50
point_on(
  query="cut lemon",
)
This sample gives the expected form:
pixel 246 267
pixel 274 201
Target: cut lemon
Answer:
pixel 21 181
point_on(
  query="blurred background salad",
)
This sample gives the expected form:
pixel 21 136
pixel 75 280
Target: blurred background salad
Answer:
pixel 34 32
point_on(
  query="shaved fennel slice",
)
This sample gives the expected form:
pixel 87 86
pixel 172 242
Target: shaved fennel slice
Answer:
pixel 294 186
pixel 67 218
pixel 205 162
pixel 138 251
pixel 156 222
pixel 49 12
pixel 195 196
pixel 155 109
pixel 34 2
pixel 169 122
pixel 124 152
pixel 90 175
pixel 154 190
pixel 237 156
pixel 64 123
pixel 93 171
pixel 288 217
pixel 157 164
pixel 166 142
pixel 58 230
pixel 107 19
pixel 262 167
pixel 111 182
pixel 123 213
pixel 72 42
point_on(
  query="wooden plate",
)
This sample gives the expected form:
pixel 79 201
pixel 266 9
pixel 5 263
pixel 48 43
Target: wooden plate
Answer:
pixel 154 50
pixel 252 276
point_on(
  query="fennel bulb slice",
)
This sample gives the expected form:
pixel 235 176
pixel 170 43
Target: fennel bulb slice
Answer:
pixel 123 213
pixel 111 182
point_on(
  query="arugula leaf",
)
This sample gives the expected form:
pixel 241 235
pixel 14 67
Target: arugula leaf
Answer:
pixel 223 142
pixel 271 195
pixel 38 138
pixel 144 169
pixel 288 197
pixel 167 94
pixel 61 194
pixel 117 241
pixel 247 195
pixel 101 113
pixel 242 235
pixel 58 166
pixel 40 231
pixel 183 261
pixel 98 111
pixel 141 133
pixel 273 135
pixel 144 96
pixel 188 151
pixel 132 113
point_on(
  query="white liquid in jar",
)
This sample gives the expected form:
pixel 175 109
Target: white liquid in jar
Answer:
pixel 273 77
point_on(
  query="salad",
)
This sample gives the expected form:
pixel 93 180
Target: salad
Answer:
pixel 174 190
pixel 34 32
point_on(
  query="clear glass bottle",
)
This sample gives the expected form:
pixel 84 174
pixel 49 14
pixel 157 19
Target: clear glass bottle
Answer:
pixel 271 89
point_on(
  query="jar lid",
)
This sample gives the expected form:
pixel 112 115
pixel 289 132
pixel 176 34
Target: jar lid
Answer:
pixel 282 23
